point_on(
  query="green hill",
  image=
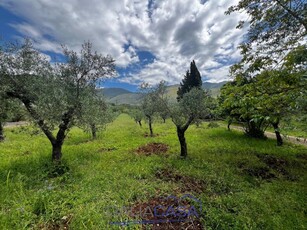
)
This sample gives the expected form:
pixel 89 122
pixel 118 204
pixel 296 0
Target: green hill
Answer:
pixel 123 96
pixel 127 98
pixel 113 92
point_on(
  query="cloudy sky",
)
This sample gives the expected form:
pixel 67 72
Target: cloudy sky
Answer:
pixel 151 40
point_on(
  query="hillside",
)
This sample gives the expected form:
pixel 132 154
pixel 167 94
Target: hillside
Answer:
pixel 123 96
pixel 126 98
pixel 113 92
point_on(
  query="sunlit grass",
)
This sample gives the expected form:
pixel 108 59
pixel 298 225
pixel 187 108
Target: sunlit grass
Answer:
pixel 107 172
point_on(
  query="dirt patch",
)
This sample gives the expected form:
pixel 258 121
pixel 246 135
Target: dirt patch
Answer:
pixel 272 168
pixel 168 213
pixel 272 161
pixel 189 184
pixel 277 164
pixel 260 172
pixel 152 148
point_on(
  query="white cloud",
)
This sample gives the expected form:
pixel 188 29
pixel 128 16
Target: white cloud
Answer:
pixel 174 31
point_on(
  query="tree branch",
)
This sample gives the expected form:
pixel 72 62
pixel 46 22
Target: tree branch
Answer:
pixel 38 120
pixel 301 21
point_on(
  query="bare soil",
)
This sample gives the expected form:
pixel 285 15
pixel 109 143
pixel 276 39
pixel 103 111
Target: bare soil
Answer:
pixel 189 184
pixel 167 213
pixel 152 148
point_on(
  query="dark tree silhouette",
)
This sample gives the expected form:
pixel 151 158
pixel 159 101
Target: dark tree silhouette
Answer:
pixel 191 79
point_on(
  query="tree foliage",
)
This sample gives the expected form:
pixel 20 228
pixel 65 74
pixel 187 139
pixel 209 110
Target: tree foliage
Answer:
pixel 153 98
pixel 275 28
pixel 191 79
pixel 268 97
pixel 95 113
pixel 137 115
pixel 194 105
pixel 53 94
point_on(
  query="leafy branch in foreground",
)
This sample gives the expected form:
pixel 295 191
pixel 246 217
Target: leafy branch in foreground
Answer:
pixel 275 28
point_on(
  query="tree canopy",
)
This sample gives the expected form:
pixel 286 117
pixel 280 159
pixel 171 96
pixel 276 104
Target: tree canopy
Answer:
pixel 53 94
pixel 275 28
pixel 191 79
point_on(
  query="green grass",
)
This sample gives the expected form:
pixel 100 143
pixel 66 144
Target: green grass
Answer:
pixel 234 197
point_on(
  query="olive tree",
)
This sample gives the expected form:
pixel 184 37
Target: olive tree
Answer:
pixel 94 114
pixel 137 115
pixel 192 106
pixel 151 102
pixel 53 94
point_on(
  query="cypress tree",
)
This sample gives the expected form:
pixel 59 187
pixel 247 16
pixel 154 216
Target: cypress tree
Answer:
pixel 191 79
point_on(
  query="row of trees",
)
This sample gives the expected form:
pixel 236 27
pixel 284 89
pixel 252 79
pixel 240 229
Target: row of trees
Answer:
pixel 269 81
pixel 56 95
pixel 193 103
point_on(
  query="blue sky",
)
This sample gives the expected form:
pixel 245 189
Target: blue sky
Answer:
pixel 150 40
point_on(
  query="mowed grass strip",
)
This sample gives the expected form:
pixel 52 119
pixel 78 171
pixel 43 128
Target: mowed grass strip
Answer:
pixel 243 183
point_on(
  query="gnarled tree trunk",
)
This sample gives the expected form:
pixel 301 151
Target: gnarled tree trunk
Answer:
pixel 57 141
pixel 94 131
pixel 57 151
pixel 1 132
pixel 183 144
pixel 277 133
pixel 180 133
pixel 254 129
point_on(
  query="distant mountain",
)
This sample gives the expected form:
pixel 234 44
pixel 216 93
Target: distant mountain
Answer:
pixel 128 98
pixel 209 85
pixel 122 96
pixel 214 88
pixel 113 92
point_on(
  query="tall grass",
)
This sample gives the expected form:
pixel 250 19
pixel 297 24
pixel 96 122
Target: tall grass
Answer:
pixel 241 190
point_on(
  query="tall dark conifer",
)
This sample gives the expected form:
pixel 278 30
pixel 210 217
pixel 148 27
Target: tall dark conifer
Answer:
pixel 191 79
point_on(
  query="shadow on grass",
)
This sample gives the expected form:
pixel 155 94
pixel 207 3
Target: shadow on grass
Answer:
pixel 32 170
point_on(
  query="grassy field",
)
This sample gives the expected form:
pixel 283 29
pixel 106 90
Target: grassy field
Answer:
pixel 242 183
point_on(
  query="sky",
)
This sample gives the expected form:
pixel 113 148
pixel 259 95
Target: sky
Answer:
pixel 151 40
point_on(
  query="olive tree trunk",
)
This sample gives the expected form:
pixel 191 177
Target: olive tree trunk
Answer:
pixel 56 141
pixel 182 141
pixel 180 133
pixel 150 125
pixel 57 151
pixel 1 132
pixel 94 131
